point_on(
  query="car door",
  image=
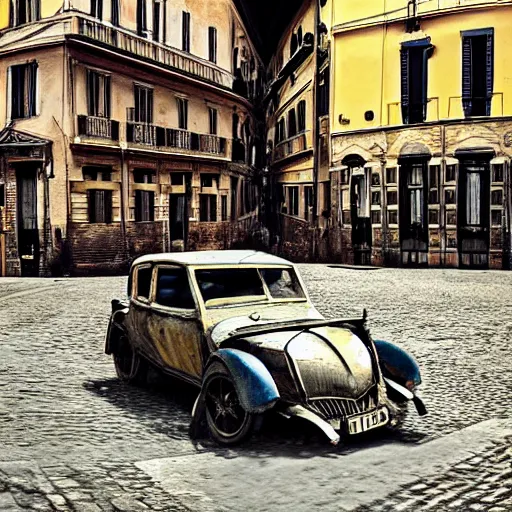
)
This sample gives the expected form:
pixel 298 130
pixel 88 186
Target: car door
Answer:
pixel 174 326
pixel 140 312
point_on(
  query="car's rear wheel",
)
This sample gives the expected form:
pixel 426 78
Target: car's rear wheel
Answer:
pixel 130 366
pixel 228 421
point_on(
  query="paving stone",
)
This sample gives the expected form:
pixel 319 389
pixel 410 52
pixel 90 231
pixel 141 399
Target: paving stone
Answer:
pixel 128 504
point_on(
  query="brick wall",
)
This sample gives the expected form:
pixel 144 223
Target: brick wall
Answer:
pixel 297 236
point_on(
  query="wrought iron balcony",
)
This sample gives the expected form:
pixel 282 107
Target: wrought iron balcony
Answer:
pixel 291 146
pixel 101 127
pixel 150 50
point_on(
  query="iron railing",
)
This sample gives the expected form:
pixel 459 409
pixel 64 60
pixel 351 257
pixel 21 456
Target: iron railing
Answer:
pixel 101 127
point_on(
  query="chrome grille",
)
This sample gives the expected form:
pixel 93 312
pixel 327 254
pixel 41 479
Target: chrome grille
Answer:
pixel 338 408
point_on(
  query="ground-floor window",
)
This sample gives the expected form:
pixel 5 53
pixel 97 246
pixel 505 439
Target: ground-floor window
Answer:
pixel 224 208
pixel 308 202
pixel 100 206
pixel 144 206
pixel 208 208
pixel 293 201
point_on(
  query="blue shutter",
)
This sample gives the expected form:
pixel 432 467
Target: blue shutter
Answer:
pixel 404 79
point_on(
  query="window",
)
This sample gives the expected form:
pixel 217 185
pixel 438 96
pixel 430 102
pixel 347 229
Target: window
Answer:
pixel 143 104
pixel 345 176
pixel 282 283
pixel 497 173
pixel 293 201
pixel 414 80
pixel 392 217
pixel 213 115
pixel 144 275
pixel 280 134
pixel 292 123
pixel 182 105
pixel 346 217
pixel 212 44
pixel 376 217
pixel 451 217
pixel 433 184
pixel 473 202
pixel 208 180
pixel 144 206
pixel 323 93
pixel 224 208
pixel 496 217
pixel 375 179
pixel 208 208
pixel 392 197
pixel 173 289
pixel 157 17
pixel 142 24
pixel 91 173
pixel 451 173
pixel 477 71
pixel 115 12
pixel 449 196
pixel 301 114
pixel 98 94
pixel 25 11
pixel 100 206
pixel 23 90
pixel 308 202
pixel 97 8
pixel 327 198
pixel 234 198
pixel 376 198
pixel 433 216
pixel 390 175
pixel 497 197
pixel 2 195
pixel 185 32
pixel 144 176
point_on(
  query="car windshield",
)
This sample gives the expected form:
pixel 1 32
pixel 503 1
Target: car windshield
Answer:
pixel 223 286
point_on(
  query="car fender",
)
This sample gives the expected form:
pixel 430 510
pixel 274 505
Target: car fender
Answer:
pixel 116 321
pixel 255 386
pixel 397 364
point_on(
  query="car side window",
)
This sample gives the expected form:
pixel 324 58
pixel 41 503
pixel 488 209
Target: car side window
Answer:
pixel 173 289
pixel 143 282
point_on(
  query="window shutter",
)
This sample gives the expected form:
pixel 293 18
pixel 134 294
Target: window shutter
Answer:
pixel 186 31
pixel 106 92
pixel 92 206
pixel 466 75
pixel 424 85
pixel 138 205
pixel 108 205
pixel 151 204
pixel 489 71
pixel 213 208
pixel 404 78
pixel 149 114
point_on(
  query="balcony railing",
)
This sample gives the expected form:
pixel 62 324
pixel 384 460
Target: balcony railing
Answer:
pixel 291 146
pixel 100 127
pixel 151 50
pixel 158 136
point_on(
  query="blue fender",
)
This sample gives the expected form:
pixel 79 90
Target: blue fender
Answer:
pixel 397 363
pixel 255 386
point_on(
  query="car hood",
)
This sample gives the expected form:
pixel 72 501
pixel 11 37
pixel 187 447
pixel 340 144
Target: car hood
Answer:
pixel 324 361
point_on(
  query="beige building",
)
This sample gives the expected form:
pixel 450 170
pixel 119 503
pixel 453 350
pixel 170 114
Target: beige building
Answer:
pixel 129 128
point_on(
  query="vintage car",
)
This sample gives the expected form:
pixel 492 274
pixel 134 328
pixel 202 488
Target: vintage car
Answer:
pixel 240 326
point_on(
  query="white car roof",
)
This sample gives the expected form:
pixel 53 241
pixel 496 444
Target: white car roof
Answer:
pixel 213 258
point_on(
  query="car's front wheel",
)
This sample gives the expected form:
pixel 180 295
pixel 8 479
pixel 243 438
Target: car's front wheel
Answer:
pixel 130 366
pixel 228 421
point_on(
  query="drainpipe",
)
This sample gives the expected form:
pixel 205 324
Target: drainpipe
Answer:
pixel 122 205
pixel 442 208
pixel 316 131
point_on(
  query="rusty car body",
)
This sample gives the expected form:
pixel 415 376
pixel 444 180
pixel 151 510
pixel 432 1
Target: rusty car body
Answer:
pixel 241 327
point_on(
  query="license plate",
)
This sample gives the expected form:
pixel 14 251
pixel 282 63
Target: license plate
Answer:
pixel 364 422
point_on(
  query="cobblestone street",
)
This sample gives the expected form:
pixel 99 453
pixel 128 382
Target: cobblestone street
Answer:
pixel 73 438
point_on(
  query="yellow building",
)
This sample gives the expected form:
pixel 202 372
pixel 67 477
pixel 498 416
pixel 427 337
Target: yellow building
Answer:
pixel 421 125
pixel 128 128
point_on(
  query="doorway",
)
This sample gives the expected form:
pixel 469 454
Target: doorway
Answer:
pixel 474 211
pixel 28 233
pixel 413 207
pixel 360 216
pixel 178 221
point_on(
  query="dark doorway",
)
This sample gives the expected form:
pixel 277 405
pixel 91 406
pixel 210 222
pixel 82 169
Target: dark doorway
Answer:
pixel 178 219
pixel 413 207
pixel 28 233
pixel 474 189
pixel 360 211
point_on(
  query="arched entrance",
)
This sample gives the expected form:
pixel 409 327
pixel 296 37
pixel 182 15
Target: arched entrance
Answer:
pixel 360 209
pixel 413 204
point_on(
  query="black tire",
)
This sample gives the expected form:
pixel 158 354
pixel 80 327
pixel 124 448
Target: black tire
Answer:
pixel 130 366
pixel 229 423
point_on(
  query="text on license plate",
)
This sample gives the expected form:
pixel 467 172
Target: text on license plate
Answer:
pixel 364 422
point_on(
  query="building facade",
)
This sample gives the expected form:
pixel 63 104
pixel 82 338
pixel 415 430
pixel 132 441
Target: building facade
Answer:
pixel 129 128
pixel 419 134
